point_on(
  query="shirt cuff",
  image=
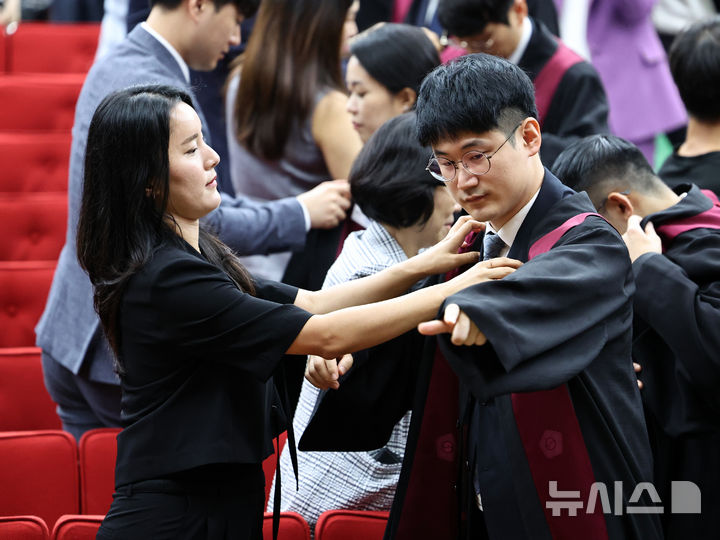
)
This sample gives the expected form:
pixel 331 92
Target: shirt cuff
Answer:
pixel 306 215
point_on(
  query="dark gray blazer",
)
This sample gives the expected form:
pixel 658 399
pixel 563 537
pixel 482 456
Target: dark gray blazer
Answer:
pixel 69 323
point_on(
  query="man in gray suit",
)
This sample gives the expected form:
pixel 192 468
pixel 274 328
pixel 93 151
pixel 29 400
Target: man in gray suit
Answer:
pixel 178 35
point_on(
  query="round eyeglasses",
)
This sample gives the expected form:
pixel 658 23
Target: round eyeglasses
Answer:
pixel 474 162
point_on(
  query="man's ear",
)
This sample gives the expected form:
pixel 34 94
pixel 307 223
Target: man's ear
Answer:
pixel 619 207
pixel 196 7
pixel 531 137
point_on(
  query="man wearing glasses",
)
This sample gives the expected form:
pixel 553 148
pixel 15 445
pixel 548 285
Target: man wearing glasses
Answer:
pixel 571 100
pixel 527 421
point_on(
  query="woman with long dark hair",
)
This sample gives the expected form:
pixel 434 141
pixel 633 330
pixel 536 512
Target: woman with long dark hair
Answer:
pixel 287 125
pixel 196 338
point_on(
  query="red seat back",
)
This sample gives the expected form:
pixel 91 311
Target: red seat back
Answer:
pixel 38 474
pixel 35 225
pixel 351 525
pixel 72 48
pixel 97 454
pixel 77 527
pixel 24 287
pixel 23 528
pixel 2 53
pixel 34 161
pixel 39 101
pixel 292 527
pixel 24 401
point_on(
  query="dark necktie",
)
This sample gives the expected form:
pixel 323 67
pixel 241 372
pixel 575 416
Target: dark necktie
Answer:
pixel 492 245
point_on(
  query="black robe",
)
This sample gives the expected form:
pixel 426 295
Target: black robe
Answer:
pixel 579 106
pixel 702 170
pixel 562 319
pixel 677 342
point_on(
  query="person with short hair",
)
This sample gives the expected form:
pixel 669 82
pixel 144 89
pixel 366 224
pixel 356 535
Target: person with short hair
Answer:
pixel 195 337
pixel 409 211
pixel 673 238
pixel 695 67
pixel 386 67
pixel 528 401
pixel 570 97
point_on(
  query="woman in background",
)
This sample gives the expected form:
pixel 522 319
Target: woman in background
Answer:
pixel 409 210
pixel 387 64
pixel 197 338
pixel 288 128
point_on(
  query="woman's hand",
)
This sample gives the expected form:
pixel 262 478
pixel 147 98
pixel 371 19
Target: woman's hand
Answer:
pixel 324 374
pixel 488 270
pixel 444 256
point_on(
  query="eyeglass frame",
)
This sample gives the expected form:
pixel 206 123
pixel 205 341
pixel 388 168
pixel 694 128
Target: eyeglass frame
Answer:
pixel 462 160
pixel 473 44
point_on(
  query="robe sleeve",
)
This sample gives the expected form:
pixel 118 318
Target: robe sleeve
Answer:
pixel 546 322
pixel 686 316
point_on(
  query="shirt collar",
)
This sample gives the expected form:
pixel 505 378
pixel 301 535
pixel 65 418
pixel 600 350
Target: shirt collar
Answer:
pixel 527 30
pixel 509 231
pixel 165 43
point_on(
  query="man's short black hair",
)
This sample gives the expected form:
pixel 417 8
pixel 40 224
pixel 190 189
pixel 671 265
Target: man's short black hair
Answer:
pixel 246 8
pixel 388 179
pixel 599 164
pixel 476 93
pixel 695 66
pixel 465 18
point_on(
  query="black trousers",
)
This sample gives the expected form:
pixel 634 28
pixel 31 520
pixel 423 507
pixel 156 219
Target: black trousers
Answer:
pixel 214 503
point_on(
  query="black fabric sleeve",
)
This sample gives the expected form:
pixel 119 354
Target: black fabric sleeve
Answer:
pixel 202 311
pixel 546 322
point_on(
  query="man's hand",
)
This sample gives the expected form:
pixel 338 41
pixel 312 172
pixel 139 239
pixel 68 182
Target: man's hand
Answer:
pixel 638 368
pixel 324 373
pixel 640 242
pixel 464 331
pixel 327 203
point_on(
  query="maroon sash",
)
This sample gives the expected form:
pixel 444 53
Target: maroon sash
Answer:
pixel 549 77
pixel 553 442
pixel 710 219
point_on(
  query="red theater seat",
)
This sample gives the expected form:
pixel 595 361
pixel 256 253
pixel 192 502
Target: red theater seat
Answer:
pixel 24 402
pixel 97 452
pixel 270 464
pixel 292 527
pixel 351 525
pixel 34 161
pixel 24 287
pixel 23 528
pixel 38 474
pixel 52 48
pixel 39 101
pixel 35 225
pixel 2 52
pixel 77 527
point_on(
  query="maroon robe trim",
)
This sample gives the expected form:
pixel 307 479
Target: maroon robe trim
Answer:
pixel 549 77
pixel 554 444
pixel 710 219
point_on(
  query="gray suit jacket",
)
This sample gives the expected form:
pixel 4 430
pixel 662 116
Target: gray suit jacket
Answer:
pixel 68 330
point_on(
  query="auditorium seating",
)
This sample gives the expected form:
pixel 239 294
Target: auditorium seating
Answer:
pixel 77 527
pixel 39 101
pixel 38 474
pixel 292 527
pixel 351 525
pixel 35 225
pixel 23 528
pixel 270 464
pixel 24 402
pixel 97 452
pixel 24 287
pixel 34 162
pixel 51 48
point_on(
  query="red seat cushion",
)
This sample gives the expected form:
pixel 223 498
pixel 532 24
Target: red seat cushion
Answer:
pixel 38 474
pixel 34 161
pixel 35 225
pixel 39 101
pixel 23 528
pixel 351 525
pixel 73 48
pixel 292 527
pixel 24 401
pixel 97 454
pixel 24 287
pixel 77 527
